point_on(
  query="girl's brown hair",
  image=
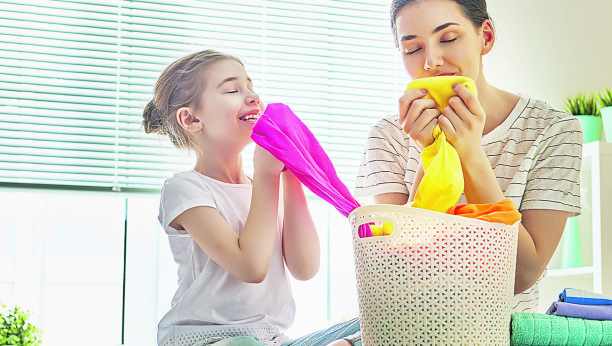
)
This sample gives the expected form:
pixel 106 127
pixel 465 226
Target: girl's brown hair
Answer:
pixel 180 85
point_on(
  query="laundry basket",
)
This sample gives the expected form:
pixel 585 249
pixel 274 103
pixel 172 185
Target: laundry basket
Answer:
pixel 438 279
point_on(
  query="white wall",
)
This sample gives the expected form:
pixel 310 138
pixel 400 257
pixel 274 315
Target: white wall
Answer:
pixel 551 48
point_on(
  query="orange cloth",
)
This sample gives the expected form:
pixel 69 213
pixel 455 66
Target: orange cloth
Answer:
pixel 500 212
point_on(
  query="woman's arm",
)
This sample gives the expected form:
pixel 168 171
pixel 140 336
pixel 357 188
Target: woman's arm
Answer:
pixel 246 256
pixel 400 198
pixel 300 239
pixel 540 230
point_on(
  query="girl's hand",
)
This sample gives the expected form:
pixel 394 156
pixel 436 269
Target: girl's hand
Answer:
pixel 463 122
pixel 263 161
pixel 418 116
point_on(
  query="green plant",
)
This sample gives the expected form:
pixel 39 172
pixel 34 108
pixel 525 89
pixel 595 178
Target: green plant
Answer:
pixel 15 328
pixel 581 104
pixel 605 98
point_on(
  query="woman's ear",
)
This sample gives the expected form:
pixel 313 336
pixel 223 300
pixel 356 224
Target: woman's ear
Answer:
pixel 188 120
pixel 488 36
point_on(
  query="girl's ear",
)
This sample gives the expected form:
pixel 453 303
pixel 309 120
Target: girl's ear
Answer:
pixel 488 36
pixel 188 120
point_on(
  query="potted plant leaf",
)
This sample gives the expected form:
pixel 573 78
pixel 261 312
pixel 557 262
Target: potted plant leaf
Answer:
pixel 605 102
pixel 15 328
pixel 585 108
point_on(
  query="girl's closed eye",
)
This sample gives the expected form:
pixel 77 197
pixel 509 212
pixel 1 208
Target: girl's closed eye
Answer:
pixel 449 40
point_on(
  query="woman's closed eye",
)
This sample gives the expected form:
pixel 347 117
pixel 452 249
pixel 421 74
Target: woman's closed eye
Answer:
pixel 411 51
pixel 448 41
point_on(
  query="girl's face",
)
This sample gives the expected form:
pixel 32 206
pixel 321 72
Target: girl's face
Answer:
pixel 435 38
pixel 229 108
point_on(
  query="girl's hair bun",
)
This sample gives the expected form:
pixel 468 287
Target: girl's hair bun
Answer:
pixel 152 120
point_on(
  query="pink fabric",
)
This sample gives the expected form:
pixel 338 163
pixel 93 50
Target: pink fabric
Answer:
pixel 286 137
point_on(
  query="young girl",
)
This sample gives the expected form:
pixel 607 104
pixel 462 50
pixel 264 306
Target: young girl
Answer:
pixel 511 146
pixel 228 233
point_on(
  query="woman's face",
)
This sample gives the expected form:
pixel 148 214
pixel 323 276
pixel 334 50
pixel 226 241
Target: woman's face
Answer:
pixel 435 38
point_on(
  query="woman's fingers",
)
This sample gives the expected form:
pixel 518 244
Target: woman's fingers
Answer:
pixel 415 111
pixel 468 100
pixel 422 129
pixel 449 123
pixel 406 100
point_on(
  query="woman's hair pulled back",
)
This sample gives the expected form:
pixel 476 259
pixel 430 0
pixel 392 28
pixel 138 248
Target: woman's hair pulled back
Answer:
pixel 474 10
pixel 180 85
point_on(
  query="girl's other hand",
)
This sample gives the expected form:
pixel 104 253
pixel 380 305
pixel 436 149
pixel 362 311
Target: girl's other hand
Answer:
pixel 418 116
pixel 263 161
pixel 463 122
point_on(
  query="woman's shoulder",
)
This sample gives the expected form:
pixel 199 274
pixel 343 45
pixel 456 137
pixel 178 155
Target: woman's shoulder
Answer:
pixel 387 123
pixel 538 109
pixel 532 114
pixel 387 127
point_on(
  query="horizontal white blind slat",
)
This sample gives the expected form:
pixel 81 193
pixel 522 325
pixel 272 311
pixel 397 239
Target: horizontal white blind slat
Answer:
pixel 75 76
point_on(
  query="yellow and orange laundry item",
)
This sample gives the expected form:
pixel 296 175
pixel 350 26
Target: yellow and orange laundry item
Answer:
pixel 500 212
pixel 385 229
pixel 442 184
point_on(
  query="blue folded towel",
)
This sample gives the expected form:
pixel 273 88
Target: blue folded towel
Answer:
pixel 591 312
pixel 574 296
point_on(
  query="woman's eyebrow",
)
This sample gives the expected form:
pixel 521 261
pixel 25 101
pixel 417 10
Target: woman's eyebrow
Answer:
pixel 438 29
pixel 443 26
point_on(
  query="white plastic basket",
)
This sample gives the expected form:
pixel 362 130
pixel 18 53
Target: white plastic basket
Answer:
pixel 439 279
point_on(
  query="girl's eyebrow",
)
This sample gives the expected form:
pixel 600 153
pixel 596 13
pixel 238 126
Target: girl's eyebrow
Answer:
pixel 438 29
pixel 229 79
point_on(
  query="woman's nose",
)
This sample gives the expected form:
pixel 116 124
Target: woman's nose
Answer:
pixel 433 60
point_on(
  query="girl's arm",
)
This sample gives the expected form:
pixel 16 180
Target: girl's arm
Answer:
pixel 246 256
pixel 300 239
pixel 540 230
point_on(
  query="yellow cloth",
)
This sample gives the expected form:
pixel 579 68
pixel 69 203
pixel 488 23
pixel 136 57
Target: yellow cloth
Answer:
pixel 385 229
pixel 442 184
pixel 441 88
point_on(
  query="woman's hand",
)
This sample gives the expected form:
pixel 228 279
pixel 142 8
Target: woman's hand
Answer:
pixel 463 122
pixel 418 116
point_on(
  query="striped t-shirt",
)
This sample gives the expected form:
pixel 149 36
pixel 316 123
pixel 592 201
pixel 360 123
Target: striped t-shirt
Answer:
pixel 535 153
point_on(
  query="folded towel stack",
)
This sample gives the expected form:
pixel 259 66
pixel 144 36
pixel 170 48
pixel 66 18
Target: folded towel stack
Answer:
pixel 582 304
pixel 538 329
pixel 574 296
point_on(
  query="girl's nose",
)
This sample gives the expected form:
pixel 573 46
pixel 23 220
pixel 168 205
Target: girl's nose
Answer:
pixel 253 98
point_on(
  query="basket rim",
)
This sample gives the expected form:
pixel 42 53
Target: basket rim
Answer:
pixel 424 212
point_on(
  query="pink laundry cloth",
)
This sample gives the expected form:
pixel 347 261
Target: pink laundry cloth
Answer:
pixel 286 137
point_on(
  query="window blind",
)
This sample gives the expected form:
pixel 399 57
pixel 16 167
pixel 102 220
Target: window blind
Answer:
pixel 75 76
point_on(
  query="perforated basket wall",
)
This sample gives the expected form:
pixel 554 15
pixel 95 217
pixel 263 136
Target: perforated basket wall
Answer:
pixel 439 279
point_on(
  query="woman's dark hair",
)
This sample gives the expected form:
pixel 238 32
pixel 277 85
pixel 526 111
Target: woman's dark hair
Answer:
pixel 474 10
pixel 179 85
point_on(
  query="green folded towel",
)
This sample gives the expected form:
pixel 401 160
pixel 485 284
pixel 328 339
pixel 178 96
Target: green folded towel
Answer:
pixel 547 330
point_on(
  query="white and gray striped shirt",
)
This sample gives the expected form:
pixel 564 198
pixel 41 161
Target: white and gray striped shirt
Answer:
pixel 535 153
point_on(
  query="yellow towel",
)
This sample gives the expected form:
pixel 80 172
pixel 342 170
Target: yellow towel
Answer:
pixel 442 184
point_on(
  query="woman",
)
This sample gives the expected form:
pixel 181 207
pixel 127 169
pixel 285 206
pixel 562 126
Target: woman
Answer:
pixel 511 146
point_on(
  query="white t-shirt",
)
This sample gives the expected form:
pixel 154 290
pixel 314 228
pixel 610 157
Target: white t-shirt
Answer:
pixel 210 301
pixel 535 153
